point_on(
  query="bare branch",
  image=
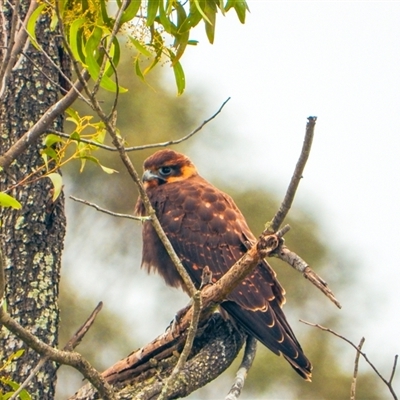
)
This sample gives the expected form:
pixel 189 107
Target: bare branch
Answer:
pixel 8 60
pixel 188 136
pixel 2 279
pixel 81 332
pixel 387 383
pixel 146 146
pixel 248 358
pixel 355 373
pixel 62 357
pixel 32 374
pixel 297 175
pixel 291 258
pixel 114 214
pixel 394 368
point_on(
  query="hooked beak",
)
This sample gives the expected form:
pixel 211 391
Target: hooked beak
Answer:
pixel 150 176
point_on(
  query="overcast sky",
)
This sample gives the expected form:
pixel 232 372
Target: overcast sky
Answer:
pixel 339 61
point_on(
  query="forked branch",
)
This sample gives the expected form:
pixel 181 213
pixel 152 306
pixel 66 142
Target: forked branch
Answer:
pixel 388 383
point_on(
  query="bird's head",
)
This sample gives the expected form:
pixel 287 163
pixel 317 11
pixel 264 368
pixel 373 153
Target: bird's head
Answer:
pixel 166 166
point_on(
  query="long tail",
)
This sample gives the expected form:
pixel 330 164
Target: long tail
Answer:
pixel 271 329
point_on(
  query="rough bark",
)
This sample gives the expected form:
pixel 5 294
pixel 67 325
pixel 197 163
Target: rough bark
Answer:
pixel 31 238
pixel 217 344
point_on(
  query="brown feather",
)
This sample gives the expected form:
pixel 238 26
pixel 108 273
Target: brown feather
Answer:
pixel 206 228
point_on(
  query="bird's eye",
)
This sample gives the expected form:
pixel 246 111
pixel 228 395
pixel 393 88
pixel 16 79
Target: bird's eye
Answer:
pixel 165 171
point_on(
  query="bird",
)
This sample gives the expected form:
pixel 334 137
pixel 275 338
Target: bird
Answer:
pixel 207 230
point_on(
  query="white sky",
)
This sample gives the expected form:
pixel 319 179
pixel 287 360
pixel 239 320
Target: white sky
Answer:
pixel 339 61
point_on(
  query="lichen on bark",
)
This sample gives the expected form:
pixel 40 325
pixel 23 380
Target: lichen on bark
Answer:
pixel 32 237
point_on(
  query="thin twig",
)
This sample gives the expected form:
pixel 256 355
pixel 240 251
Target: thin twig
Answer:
pixel 387 383
pixel 62 357
pixel 32 374
pixel 291 258
pixel 81 332
pixel 191 334
pixel 71 345
pixel 297 175
pixel 146 146
pixel 248 358
pixel 114 214
pixel 355 373
pixel 394 368
pixel 8 61
pixel 2 279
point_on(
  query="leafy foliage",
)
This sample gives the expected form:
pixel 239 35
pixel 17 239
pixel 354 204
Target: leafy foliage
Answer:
pixel 158 29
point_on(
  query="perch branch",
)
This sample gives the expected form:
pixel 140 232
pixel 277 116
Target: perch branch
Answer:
pixel 297 175
pixel 387 383
pixel 211 296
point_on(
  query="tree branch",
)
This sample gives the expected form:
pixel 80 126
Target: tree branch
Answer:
pixel 355 373
pixel 248 358
pixel 62 357
pixel 297 175
pixel 387 383
pixel 114 214
pixel 146 146
pixel 291 258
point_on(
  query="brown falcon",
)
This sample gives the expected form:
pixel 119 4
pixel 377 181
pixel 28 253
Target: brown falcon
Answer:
pixel 206 228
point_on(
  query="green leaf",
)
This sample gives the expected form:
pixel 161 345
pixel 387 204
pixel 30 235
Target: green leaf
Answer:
pixel 138 71
pixel 180 79
pixel 108 170
pixel 152 8
pixel 115 53
pixel 139 47
pixel 192 20
pixel 8 201
pixel 76 40
pixel 92 54
pixel 31 25
pixel 211 12
pixel 199 8
pixel 240 7
pixel 104 14
pixel 180 43
pixel 74 116
pixel 56 179
pixel 131 11
pixel 49 152
pixel 23 395
pixel 51 139
pixel 168 25
pixel 75 136
pixel 181 14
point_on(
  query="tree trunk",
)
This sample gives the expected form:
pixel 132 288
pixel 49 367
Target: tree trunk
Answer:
pixel 32 237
